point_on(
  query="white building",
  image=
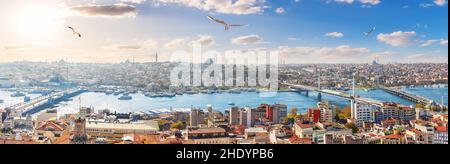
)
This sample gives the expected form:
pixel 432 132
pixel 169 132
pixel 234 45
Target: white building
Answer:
pixel 106 130
pixel 440 135
pixel 426 128
pixel 364 113
pixel 327 113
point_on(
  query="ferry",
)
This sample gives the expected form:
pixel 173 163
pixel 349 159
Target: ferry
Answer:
pixel 232 104
pixel 125 97
pixel 109 92
pixel 17 94
pixel 235 91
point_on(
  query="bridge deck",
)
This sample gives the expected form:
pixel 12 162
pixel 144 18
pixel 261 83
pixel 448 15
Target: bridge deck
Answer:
pixel 335 93
pixel 39 101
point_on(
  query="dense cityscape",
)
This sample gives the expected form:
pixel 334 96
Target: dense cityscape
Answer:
pixel 229 72
pixel 361 121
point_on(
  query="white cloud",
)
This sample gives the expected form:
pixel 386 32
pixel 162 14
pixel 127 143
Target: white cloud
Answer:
pixel 176 43
pixel 116 10
pixel 372 2
pixel 204 40
pixel 280 10
pixel 293 39
pixel 433 42
pixel 440 2
pixel 239 7
pixel 443 42
pixel 145 45
pixel 339 54
pixel 398 38
pixel 133 1
pixel 426 5
pixel 246 40
pixel 365 2
pixel 345 1
pixel 335 34
pixel 18 47
pixel 428 43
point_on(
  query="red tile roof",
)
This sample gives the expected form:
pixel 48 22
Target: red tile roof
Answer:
pixel 296 140
pixel 304 126
pixel 50 124
pixel 207 131
pixel 416 131
pixel 441 129
pixel 14 142
pixel 394 136
pixel 64 139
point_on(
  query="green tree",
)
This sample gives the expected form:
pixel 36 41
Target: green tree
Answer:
pixel 178 125
pixel 353 127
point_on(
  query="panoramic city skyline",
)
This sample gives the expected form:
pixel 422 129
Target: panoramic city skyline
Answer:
pixel 313 31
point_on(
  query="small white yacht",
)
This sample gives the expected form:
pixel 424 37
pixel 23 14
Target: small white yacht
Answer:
pixel 125 97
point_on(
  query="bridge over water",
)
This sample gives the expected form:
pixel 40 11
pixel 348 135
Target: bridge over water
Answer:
pixel 339 94
pixel 39 103
pixel 411 97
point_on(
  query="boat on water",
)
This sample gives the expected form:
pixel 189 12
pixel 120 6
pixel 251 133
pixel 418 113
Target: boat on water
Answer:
pixel 232 104
pixel 235 91
pixel 26 99
pixel 17 94
pixel 125 97
pixel 117 93
pixel 191 92
pixel 109 92
pixel 169 94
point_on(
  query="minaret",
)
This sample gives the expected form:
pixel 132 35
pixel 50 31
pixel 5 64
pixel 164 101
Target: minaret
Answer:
pixel 156 57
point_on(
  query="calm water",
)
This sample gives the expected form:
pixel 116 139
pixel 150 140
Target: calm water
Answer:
pixel 220 102
pixel 9 101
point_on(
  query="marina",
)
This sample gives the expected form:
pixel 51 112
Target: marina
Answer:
pixel 220 101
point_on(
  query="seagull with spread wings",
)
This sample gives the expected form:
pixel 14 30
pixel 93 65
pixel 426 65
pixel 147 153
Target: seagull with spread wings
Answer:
pixel 370 31
pixel 74 32
pixel 227 26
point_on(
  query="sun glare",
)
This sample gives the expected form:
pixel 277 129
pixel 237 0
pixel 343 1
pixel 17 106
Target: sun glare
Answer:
pixel 38 20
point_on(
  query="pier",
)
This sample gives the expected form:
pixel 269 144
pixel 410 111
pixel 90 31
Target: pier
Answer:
pixel 42 102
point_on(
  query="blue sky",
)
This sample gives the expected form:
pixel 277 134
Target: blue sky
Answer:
pixel 304 31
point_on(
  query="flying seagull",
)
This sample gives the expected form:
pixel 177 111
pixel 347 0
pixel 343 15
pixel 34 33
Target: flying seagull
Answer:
pixel 370 31
pixel 74 32
pixel 227 26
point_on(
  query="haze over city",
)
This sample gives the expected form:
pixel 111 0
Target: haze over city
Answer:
pixel 303 31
